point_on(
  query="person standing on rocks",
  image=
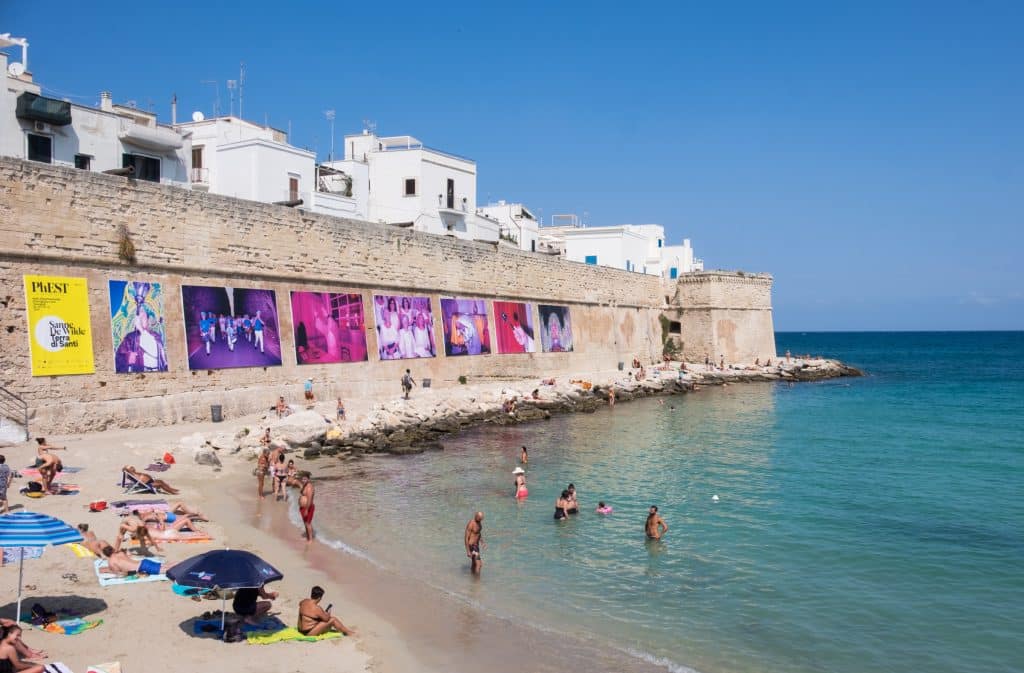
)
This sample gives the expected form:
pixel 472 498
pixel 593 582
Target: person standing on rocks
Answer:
pixel 407 383
pixel 473 540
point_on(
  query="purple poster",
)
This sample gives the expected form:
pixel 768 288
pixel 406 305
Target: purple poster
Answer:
pixel 405 327
pixel 329 327
pixel 466 329
pixel 229 327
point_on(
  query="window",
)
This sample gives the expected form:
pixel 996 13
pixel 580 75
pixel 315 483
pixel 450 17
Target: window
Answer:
pixel 293 188
pixel 83 162
pixel 673 272
pixel 659 242
pixel 197 157
pixel 533 245
pixel 40 148
pixel 410 186
pixel 146 168
pixel 591 259
pixel 629 265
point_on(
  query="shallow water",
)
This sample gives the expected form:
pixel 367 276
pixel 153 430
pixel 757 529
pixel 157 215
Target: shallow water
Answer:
pixel 862 524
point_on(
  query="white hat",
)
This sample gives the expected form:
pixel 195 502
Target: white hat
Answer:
pixel 519 470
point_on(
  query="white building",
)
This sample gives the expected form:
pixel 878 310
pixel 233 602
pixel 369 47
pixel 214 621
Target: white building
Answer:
pixel 409 184
pixel 235 157
pixel 516 224
pixel 633 247
pixel 38 128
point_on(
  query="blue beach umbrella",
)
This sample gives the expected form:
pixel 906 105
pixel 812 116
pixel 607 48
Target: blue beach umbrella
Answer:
pixel 224 569
pixel 28 529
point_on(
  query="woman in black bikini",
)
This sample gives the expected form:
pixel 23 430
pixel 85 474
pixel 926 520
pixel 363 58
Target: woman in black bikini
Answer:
pixel 561 505
pixel 10 658
pixel 280 477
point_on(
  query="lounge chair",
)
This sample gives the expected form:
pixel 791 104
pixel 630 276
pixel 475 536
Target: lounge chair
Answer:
pixel 131 484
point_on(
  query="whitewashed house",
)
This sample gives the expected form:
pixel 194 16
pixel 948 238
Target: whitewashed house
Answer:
pixel 408 184
pixel 40 128
pixel 516 224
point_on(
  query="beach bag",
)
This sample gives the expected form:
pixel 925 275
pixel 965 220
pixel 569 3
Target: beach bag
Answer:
pixel 168 459
pixel 97 506
pixel 233 632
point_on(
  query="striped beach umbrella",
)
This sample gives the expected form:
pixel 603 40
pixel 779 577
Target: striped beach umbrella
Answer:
pixel 28 529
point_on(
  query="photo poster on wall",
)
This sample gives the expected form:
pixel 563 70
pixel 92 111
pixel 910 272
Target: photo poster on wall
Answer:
pixel 329 327
pixel 555 329
pixel 227 327
pixel 466 328
pixel 59 333
pixel 513 327
pixel 405 327
pixel 138 326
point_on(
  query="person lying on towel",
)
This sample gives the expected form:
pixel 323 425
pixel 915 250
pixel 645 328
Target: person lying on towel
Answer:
pixel 119 563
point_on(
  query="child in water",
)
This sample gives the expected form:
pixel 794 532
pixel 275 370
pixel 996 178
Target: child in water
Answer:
pixel 603 508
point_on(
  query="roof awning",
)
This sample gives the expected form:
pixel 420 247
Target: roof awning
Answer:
pixel 34 107
pixel 159 138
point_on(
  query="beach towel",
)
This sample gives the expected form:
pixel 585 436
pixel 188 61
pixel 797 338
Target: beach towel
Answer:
pixel 56 488
pixel 158 467
pixel 290 633
pixel 12 555
pixel 79 550
pixel 126 506
pixel 111 667
pixel 33 471
pixel 177 535
pixel 56 667
pixel 205 627
pixel 68 627
pixel 107 578
pixel 189 591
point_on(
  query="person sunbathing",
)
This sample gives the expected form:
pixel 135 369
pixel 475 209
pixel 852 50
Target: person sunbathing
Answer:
pixel 10 658
pixel 135 527
pixel 143 478
pixel 23 650
pixel 166 521
pixel 314 620
pixel 194 513
pixel 119 563
pixel 89 540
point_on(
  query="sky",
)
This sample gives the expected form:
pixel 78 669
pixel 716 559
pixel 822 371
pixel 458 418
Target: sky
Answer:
pixel 869 155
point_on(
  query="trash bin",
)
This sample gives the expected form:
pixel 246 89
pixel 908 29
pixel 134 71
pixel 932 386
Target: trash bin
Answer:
pixel 426 383
pixel 216 413
pixel 622 365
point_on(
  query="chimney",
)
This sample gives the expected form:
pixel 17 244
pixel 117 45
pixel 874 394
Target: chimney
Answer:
pixel 106 102
pixel 174 110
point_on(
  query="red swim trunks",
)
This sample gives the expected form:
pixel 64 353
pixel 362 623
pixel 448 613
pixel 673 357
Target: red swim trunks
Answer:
pixel 307 513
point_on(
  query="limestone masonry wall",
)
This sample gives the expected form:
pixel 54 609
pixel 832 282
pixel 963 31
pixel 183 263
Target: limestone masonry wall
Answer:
pixel 724 314
pixel 66 222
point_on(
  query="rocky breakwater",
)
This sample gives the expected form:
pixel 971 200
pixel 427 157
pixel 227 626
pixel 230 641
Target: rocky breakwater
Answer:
pixel 421 423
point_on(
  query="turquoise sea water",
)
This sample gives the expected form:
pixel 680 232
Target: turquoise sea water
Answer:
pixel 872 524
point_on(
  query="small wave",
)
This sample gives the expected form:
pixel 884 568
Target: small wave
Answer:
pixel 667 664
pixel 295 518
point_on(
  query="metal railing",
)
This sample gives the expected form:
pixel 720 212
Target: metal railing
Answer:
pixel 14 408
pixel 200 175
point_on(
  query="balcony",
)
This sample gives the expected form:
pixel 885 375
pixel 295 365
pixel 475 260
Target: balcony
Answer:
pixel 200 178
pixel 36 108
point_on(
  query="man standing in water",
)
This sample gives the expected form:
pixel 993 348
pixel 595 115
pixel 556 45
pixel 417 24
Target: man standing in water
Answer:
pixel 655 526
pixel 474 531
pixel 306 506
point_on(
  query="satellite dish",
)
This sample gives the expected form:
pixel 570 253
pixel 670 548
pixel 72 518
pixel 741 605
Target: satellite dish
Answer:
pixel 16 69
pixel 197 116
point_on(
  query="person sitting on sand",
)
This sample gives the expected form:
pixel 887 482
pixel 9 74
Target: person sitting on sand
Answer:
pixel 282 408
pixel 535 394
pixel 159 484
pixel 119 563
pixel 135 527
pixel 314 620
pixel 23 650
pixel 10 658
pixel 248 606
pixel 90 541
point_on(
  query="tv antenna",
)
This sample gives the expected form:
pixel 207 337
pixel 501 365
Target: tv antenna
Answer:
pixel 232 85
pixel 370 126
pixel 330 114
pixel 216 94
pixel 241 86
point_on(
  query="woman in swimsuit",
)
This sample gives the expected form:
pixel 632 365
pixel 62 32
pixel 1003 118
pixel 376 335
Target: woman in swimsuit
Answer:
pixel 280 471
pixel 262 468
pixel 10 657
pixel 561 505
pixel 521 490
pixel 158 484
pixel 574 506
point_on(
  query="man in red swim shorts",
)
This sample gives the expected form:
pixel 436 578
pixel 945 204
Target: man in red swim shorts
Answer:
pixel 306 505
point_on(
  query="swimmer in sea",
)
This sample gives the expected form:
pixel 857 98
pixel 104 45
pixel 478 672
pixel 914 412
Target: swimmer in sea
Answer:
pixel 523 457
pixel 655 526
pixel 574 505
pixel 472 539
pixel 603 508
pixel 562 506
pixel 521 490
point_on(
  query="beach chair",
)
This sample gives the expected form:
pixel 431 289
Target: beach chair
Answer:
pixel 132 485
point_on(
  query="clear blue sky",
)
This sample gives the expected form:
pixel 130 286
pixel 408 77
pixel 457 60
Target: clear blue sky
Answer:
pixel 870 156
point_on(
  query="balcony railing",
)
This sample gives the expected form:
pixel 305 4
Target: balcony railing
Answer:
pixel 200 176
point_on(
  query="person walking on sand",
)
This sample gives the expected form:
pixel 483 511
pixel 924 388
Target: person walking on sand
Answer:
pixel 262 469
pixel 473 540
pixel 655 526
pixel 307 389
pixel 6 476
pixel 407 383
pixel 306 505
pixel 341 410
pixel 314 620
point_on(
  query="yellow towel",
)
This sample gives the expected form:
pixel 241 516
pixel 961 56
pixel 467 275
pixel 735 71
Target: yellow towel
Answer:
pixel 290 633
pixel 79 550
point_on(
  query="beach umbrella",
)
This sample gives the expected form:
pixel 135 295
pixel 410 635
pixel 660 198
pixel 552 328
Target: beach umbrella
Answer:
pixel 28 529
pixel 224 569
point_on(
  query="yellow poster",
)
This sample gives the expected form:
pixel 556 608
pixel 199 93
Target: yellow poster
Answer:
pixel 59 334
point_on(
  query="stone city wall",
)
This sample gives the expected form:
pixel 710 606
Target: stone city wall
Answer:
pixel 60 221
pixel 724 314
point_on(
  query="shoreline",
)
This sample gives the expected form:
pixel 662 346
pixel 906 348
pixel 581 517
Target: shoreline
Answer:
pixel 397 633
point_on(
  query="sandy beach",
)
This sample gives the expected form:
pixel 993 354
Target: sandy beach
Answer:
pixel 146 627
